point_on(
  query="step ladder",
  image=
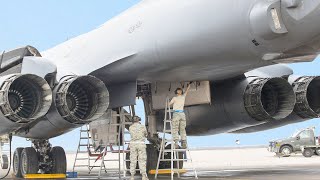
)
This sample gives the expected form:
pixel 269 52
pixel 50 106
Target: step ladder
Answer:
pixel 84 157
pixel 175 152
pixel 125 141
pixel 122 146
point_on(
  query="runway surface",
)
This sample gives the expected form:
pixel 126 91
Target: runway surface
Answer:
pixel 231 164
pixel 292 173
pixel 246 164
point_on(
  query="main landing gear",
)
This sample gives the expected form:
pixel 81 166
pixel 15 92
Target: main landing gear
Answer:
pixel 40 158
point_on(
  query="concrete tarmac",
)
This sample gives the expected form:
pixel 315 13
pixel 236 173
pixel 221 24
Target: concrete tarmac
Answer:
pixel 242 163
pixel 229 164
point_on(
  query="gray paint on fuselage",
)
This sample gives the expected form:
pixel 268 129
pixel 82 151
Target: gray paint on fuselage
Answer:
pixel 180 40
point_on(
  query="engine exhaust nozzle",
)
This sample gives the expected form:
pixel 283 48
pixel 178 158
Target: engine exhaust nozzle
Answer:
pixel 24 97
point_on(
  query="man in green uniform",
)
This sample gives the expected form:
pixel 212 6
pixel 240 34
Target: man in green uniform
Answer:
pixel 138 147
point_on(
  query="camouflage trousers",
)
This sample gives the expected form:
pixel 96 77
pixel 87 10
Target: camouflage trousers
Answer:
pixel 138 152
pixel 179 124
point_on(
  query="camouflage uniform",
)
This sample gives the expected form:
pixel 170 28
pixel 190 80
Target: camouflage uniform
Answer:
pixel 138 134
pixel 179 124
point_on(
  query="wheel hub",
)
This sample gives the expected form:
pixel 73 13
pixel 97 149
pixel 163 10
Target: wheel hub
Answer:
pixel 286 151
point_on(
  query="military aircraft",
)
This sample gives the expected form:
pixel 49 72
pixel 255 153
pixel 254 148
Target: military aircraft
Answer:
pixel 233 51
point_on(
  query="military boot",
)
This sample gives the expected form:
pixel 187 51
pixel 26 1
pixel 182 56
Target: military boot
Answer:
pixel 176 144
pixel 145 177
pixel 184 144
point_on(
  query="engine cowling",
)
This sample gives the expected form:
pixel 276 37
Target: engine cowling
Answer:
pixel 306 89
pixel 240 103
pixel 77 100
pixel 81 99
pixel 24 98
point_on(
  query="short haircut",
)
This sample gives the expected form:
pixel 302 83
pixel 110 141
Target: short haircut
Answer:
pixel 176 91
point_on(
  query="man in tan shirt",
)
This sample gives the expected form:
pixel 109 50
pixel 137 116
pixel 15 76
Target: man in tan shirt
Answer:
pixel 179 122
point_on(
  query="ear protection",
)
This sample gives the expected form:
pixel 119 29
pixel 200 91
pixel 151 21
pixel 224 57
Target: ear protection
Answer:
pixel 176 91
pixel 136 119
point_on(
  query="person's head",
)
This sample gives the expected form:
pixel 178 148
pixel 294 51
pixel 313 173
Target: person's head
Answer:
pixel 136 119
pixel 178 91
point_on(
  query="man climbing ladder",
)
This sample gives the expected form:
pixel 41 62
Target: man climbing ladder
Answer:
pixel 179 122
pixel 171 156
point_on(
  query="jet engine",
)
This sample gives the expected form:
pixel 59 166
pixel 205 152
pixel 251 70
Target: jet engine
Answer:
pixel 80 100
pixel 307 104
pixel 24 98
pixel 77 100
pixel 240 103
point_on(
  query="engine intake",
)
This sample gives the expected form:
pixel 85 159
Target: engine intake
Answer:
pixel 81 99
pixel 269 99
pixel 307 96
pixel 24 97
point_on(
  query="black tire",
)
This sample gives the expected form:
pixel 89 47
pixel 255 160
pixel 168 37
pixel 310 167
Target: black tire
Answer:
pixel 307 152
pixel 152 157
pixel 16 162
pixel 4 162
pixel 167 164
pixel 286 151
pixel 317 151
pixel 58 156
pixel 29 161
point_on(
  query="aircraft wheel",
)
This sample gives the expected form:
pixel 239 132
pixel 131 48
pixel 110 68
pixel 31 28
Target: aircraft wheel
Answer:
pixel 59 160
pixel 307 153
pixel 29 161
pixel 16 162
pixel 167 164
pixel 152 157
pixel 4 162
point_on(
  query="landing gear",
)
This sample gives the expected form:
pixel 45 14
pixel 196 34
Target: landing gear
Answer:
pixel 59 161
pixel 152 158
pixel 16 162
pixel 41 158
pixel 4 162
pixel 29 161
pixel 167 164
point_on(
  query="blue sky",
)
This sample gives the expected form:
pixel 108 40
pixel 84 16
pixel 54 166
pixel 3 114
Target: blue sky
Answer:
pixel 44 24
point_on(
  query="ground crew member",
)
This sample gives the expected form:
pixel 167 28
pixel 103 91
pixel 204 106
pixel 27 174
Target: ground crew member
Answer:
pixel 179 122
pixel 138 147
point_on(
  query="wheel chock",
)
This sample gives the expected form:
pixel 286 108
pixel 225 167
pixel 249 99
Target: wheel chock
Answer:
pixel 45 176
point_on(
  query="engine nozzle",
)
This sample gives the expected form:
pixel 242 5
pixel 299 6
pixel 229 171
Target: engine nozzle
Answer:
pixel 24 97
pixel 81 99
pixel 269 99
pixel 307 96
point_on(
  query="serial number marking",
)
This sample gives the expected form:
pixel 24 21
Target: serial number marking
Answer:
pixel 133 28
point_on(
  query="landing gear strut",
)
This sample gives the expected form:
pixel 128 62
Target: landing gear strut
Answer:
pixel 40 158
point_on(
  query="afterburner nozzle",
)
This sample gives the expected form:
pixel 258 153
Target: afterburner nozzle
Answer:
pixel 24 97
pixel 81 99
